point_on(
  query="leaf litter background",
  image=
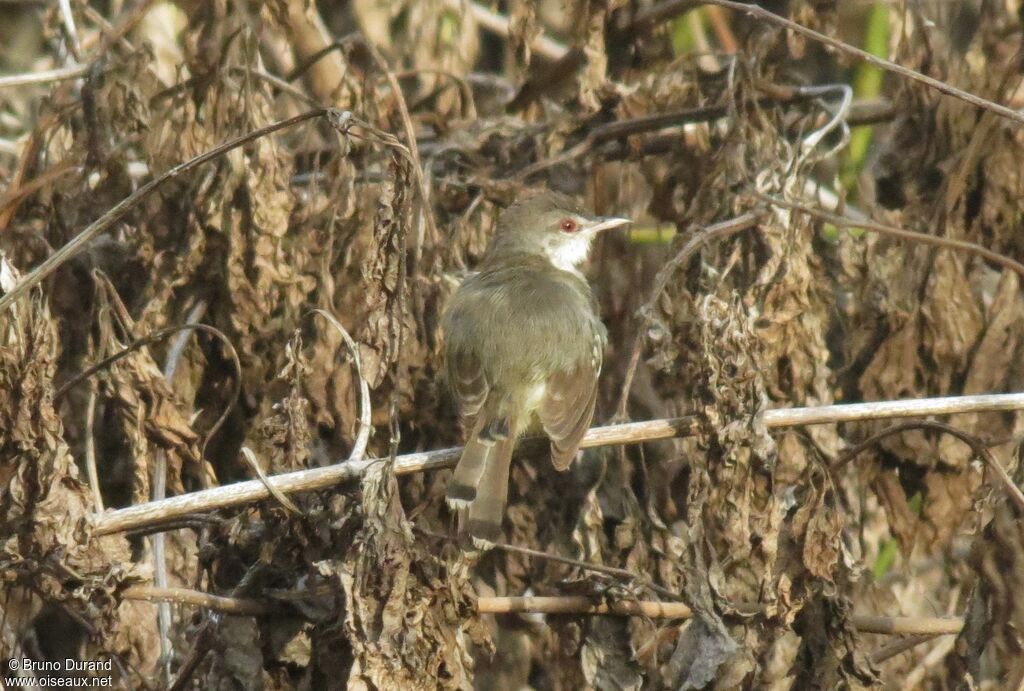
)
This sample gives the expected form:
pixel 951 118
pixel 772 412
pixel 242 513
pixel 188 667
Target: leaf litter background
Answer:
pixel 364 590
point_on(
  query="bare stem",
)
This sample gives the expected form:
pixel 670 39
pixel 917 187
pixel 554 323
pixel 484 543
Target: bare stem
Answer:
pixel 185 596
pixel 116 213
pixel 251 491
pixel 500 24
pixel 571 604
pixel 901 233
pixel 759 12
pixel 676 610
pixel 58 75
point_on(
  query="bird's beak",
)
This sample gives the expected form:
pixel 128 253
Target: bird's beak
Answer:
pixel 607 223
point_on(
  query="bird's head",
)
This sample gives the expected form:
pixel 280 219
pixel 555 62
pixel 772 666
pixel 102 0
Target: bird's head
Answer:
pixel 551 225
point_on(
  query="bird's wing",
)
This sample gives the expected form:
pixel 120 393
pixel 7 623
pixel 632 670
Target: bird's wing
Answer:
pixel 469 385
pixel 567 410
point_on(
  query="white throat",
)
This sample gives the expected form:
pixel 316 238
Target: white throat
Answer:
pixel 568 253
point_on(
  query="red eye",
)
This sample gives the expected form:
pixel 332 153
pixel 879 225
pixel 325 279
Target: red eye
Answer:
pixel 568 225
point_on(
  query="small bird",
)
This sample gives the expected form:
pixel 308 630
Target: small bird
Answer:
pixel 522 344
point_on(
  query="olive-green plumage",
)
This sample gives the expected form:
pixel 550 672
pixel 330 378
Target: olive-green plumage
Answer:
pixel 522 342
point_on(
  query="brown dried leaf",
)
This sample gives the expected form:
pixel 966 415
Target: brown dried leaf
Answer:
pixel 144 402
pixel 407 614
pixel 822 528
pixel 383 275
pixel 45 536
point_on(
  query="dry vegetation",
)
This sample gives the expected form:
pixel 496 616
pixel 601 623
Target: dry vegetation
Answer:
pixel 787 552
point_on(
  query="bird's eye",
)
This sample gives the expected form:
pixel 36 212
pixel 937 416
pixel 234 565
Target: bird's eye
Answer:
pixel 568 225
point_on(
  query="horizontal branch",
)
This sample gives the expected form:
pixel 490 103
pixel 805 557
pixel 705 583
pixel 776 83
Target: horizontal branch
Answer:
pixel 677 610
pixel 578 605
pixel 197 598
pixel 44 77
pixel 155 513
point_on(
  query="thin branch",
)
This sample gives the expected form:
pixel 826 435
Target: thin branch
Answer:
pixel 546 79
pixel 640 579
pixel 90 452
pixel 45 77
pixel 426 211
pixel 579 605
pixel 209 627
pixel 499 24
pixel 115 214
pixel 623 574
pixel 701 237
pixel 311 42
pixel 177 349
pixel 284 501
pixel 365 409
pixel 466 99
pixel 14 196
pixel 723 32
pixel 901 233
pixel 899 647
pixel 251 491
pixel 185 596
pixel 977 446
pixel 620 129
pixel 575 604
pixel 68 18
pixel 278 83
pixel 149 339
pixel 759 12
pixel 307 62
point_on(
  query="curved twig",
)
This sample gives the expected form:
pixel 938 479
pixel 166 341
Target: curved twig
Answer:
pixel 901 233
pixel 149 339
pixel 284 501
pixel 412 146
pixel 699 238
pixel 759 12
pixel 977 446
pixel 467 101
pixel 78 243
pixel 365 410
pixel 303 66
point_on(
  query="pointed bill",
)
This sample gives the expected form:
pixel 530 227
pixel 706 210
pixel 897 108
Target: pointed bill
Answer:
pixel 607 223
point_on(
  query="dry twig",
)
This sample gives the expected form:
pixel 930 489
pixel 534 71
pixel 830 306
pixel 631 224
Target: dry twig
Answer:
pixel 570 604
pixel 250 491
pixel 44 77
pixel 901 233
pixel 119 211
pixel 759 12
pixel 697 240
pixel 575 604
pixel 977 446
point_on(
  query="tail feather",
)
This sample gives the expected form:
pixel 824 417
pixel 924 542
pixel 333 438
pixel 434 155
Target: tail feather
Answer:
pixel 463 486
pixel 487 508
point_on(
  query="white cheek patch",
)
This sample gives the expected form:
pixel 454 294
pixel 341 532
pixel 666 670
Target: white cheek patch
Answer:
pixel 568 252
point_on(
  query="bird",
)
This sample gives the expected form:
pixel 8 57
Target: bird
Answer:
pixel 523 348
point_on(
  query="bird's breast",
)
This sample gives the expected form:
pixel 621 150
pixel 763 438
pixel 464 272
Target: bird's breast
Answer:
pixel 523 324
